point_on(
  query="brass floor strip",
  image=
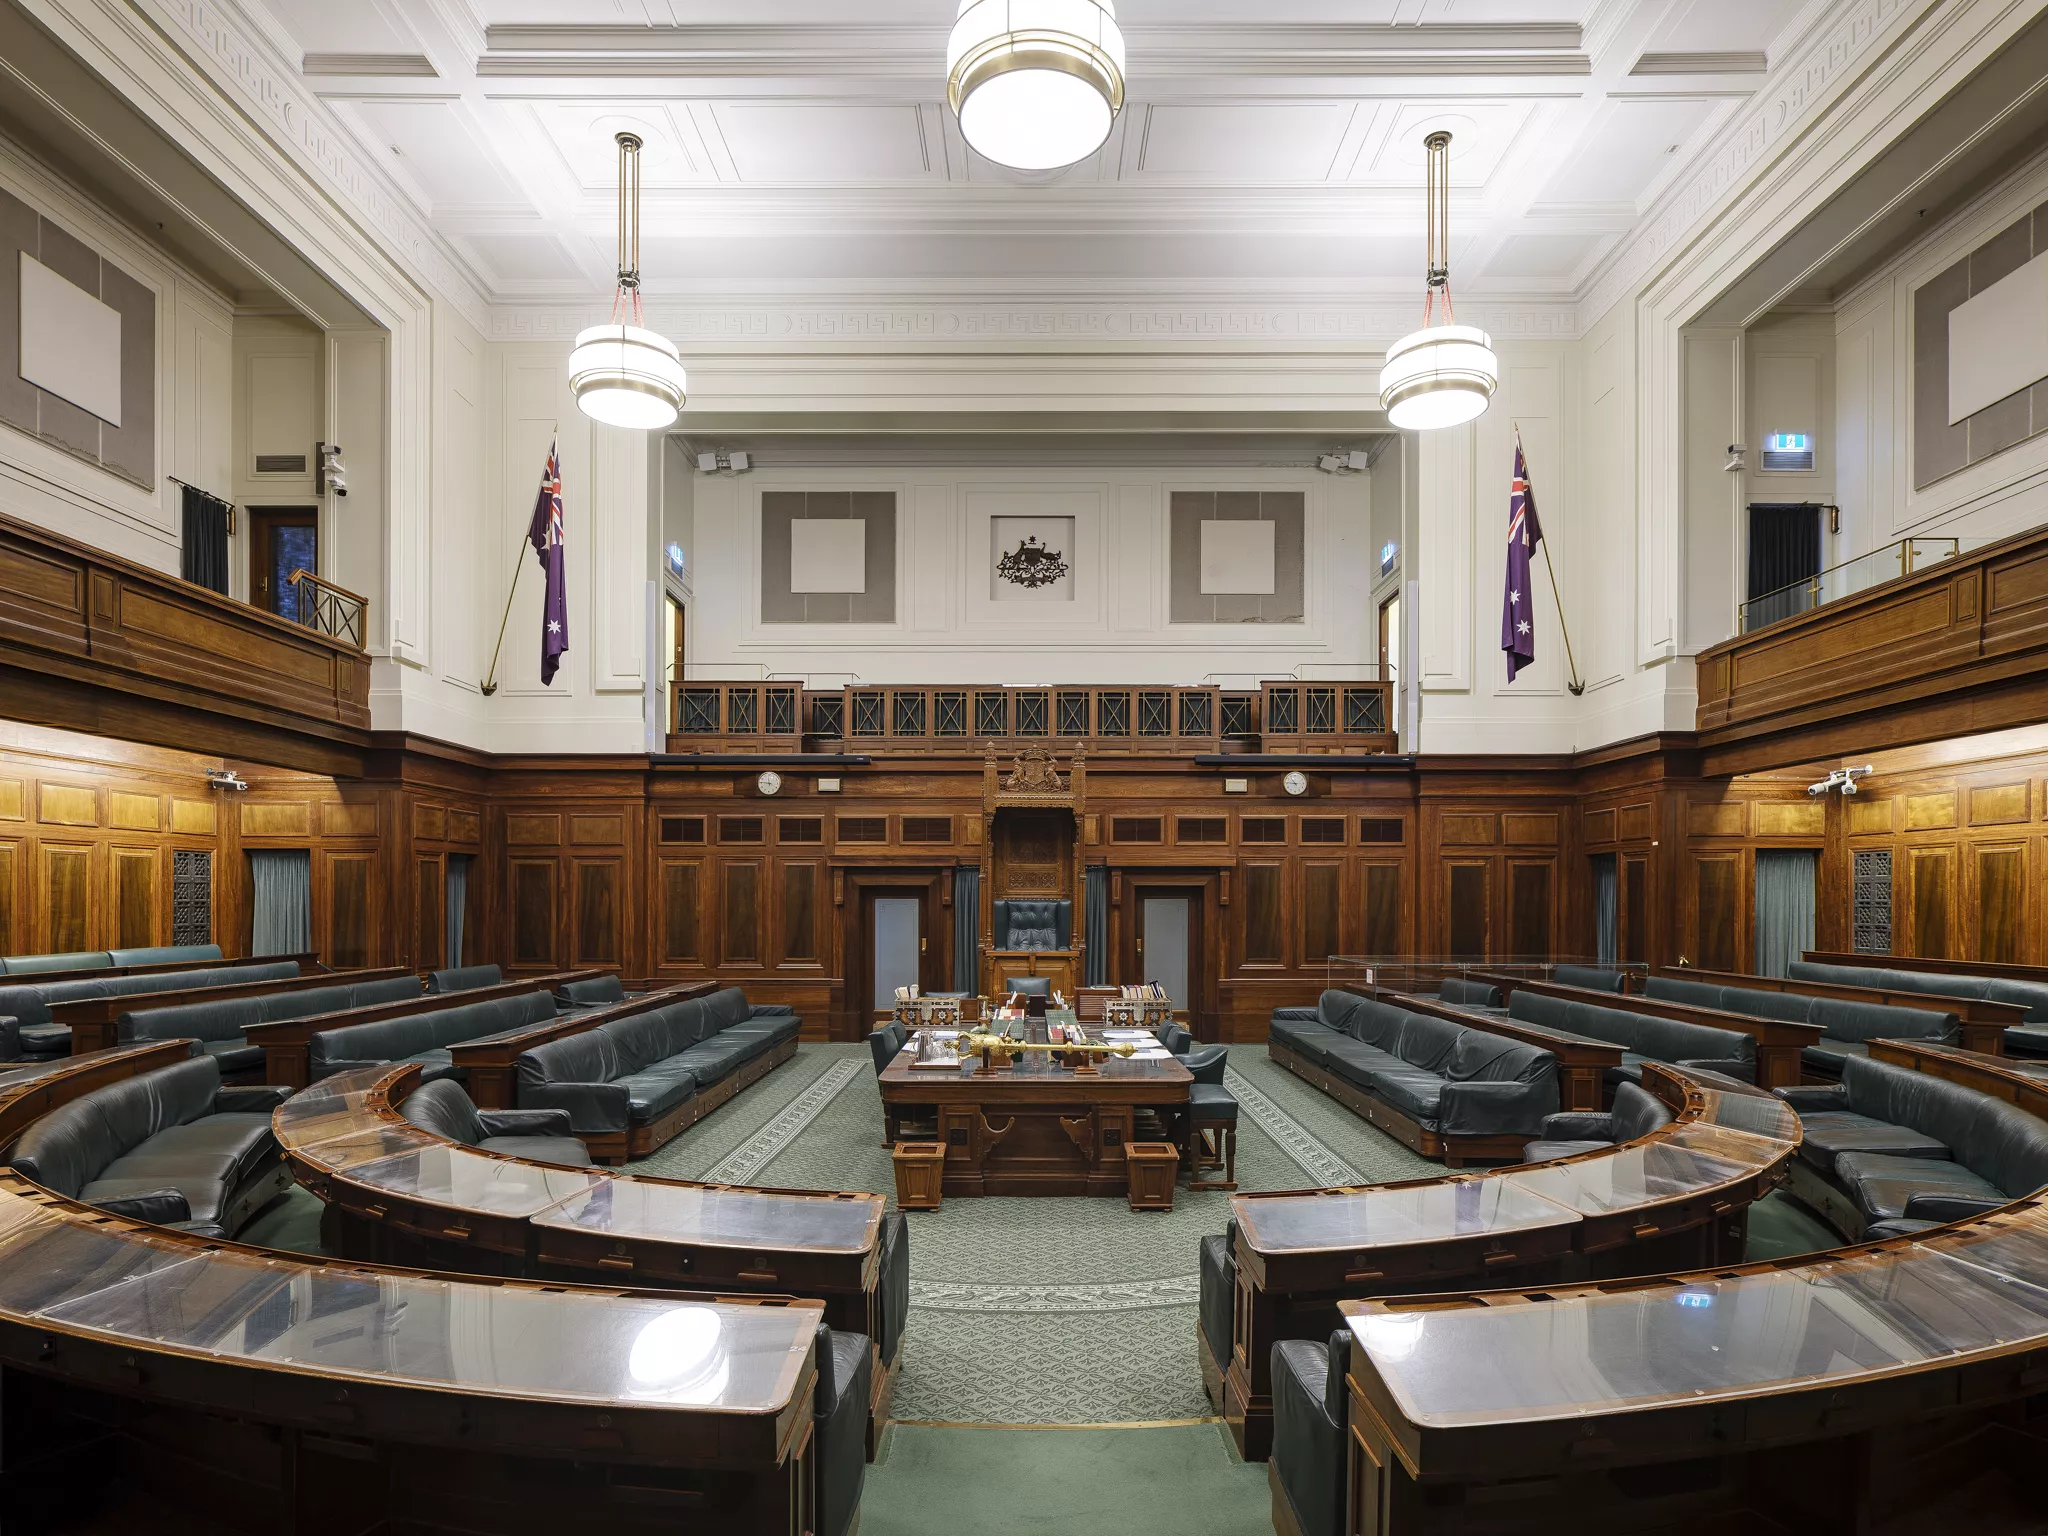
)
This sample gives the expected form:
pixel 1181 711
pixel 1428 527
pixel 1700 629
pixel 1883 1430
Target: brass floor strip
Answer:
pixel 1128 1424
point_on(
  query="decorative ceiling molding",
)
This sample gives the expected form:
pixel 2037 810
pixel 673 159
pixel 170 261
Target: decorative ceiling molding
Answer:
pixel 1754 63
pixel 411 64
pixel 244 62
pixel 1033 326
pixel 1814 68
pixel 606 51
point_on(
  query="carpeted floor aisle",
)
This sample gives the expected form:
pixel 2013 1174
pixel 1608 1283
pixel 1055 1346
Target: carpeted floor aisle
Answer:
pixel 1046 1311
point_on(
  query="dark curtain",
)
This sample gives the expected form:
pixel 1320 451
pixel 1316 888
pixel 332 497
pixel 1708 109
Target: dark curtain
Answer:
pixel 967 929
pixel 456 898
pixel 1095 924
pixel 281 897
pixel 1784 544
pixel 1606 922
pixel 1784 907
pixel 206 541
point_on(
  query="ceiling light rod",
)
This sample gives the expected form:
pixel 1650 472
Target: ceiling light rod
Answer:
pixel 623 374
pixel 1445 373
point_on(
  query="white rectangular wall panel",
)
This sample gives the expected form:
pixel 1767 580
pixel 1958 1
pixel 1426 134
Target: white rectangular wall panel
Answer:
pixel 1998 341
pixel 70 341
pixel 828 554
pixel 1237 558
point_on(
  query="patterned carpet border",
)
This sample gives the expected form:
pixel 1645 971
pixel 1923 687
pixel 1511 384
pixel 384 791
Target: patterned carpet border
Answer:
pixel 745 1162
pixel 1127 1296
pixel 1301 1145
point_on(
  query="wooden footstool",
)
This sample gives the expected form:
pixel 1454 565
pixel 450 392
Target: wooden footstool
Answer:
pixel 920 1175
pixel 1154 1170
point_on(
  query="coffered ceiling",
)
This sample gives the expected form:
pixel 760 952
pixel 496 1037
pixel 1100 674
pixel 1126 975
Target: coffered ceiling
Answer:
pixel 800 150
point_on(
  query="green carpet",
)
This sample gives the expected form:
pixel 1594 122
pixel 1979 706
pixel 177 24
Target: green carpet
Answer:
pixel 1035 1311
pixel 1077 1482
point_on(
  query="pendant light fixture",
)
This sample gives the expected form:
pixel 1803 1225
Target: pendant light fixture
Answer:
pixel 1036 84
pixel 623 374
pixel 1444 373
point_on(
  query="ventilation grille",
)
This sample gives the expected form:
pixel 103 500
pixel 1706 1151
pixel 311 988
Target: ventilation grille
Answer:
pixel 1374 829
pixel 1201 829
pixel 682 829
pixel 280 463
pixel 927 829
pixel 800 829
pixel 1135 829
pixel 863 829
pixel 1263 829
pixel 1322 829
pixel 739 829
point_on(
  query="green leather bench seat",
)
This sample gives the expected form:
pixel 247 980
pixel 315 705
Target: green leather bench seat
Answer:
pixel 634 1070
pixel 1642 1037
pixel 1593 978
pixel 464 978
pixel 218 1025
pixel 539 1135
pixel 100 959
pixel 2030 995
pixel 1913 1146
pixel 171 1146
pixel 1461 993
pixel 423 1039
pixel 40 1038
pixel 1447 1077
pixel 1850 1026
pixel 1636 1112
pixel 596 992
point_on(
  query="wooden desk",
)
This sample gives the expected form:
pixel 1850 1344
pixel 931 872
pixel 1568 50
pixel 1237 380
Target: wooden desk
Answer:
pixel 1983 1023
pixel 308 962
pixel 488 1064
pixel 1582 1063
pixel 1778 1042
pixel 1035 1128
pixel 95 1021
pixel 1814 1393
pixel 2013 1079
pixel 1062 967
pixel 1676 1198
pixel 288 1043
pixel 2038 973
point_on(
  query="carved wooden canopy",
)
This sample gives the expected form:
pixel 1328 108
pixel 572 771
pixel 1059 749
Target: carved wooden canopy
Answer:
pixel 1034 779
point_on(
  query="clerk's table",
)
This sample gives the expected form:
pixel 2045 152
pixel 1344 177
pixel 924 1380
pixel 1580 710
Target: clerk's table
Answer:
pixel 1038 1126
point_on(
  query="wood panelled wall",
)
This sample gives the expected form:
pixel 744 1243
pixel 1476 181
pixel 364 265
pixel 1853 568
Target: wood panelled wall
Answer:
pixel 670 873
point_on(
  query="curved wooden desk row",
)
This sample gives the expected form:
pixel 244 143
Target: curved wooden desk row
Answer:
pixel 1814 1394
pixel 305 1396
pixel 399 1194
pixel 1674 1199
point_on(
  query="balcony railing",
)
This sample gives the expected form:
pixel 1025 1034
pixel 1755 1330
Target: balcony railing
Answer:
pixel 330 610
pixel 1850 577
pixel 1132 719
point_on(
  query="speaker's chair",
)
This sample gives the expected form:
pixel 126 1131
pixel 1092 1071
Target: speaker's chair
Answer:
pixel 1033 924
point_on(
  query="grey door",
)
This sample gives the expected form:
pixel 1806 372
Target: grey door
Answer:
pixel 1165 927
pixel 896 951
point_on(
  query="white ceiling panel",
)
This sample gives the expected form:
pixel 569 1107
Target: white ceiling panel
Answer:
pixel 321 26
pixel 1634 143
pixel 523 258
pixel 1481 134
pixel 1551 257
pixel 1726 26
pixel 436 151
pixel 789 142
pixel 585 134
pixel 1242 141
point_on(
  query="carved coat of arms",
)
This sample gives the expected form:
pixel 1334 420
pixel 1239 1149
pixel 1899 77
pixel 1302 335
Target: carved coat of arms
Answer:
pixel 1032 564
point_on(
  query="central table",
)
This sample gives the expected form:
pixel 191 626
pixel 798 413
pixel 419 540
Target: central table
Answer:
pixel 1036 1127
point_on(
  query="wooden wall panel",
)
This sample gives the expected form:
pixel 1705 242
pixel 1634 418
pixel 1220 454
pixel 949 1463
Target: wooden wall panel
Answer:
pixel 1530 909
pixel 1930 885
pixel 1385 931
pixel 1468 908
pixel 350 922
pixel 11 869
pixel 66 899
pixel 1632 943
pixel 1718 909
pixel 431 906
pixel 599 918
pixel 1322 901
pixel 681 898
pixel 1999 874
pixel 1264 916
pixel 135 898
pixel 800 912
pixel 533 912
pixel 739 923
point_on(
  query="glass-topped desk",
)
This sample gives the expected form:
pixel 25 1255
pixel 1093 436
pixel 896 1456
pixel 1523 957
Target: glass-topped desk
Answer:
pixel 1063 1124
pixel 1506 1389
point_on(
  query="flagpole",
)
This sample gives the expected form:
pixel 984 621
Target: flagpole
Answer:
pixel 489 685
pixel 1575 686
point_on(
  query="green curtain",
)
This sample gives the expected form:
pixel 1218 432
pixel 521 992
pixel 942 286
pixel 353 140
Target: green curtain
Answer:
pixel 1606 924
pixel 457 903
pixel 1784 907
pixel 967 929
pixel 1095 924
pixel 281 896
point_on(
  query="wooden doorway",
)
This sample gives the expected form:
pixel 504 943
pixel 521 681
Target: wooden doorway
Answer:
pixel 282 540
pixel 899 937
pixel 1165 943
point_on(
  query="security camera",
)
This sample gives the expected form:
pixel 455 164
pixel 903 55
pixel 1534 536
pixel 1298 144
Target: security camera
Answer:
pixel 226 778
pixel 331 474
pixel 1736 451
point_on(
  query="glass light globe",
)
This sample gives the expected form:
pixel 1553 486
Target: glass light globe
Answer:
pixel 1036 84
pixel 624 376
pixel 1439 376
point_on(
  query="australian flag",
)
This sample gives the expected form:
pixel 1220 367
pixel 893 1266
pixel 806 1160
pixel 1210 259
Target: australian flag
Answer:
pixel 1518 605
pixel 545 534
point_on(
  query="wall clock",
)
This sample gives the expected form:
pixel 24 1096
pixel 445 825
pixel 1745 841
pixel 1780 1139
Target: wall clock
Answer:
pixel 770 782
pixel 1296 783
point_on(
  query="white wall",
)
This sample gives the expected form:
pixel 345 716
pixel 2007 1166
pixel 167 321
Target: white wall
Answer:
pixel 43 485
pixel 1117 629
pixel 1874 403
